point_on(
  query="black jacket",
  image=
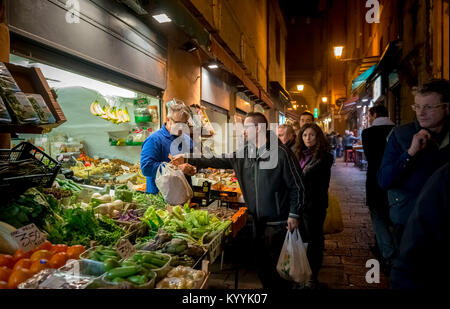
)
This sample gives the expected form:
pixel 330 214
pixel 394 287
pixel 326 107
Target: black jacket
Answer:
pixel 422 262
pixel 316 180
pixel 272 195
pixel 374 140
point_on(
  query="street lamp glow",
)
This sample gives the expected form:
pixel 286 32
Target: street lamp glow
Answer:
pixel 338 51
pixel 324 99
pixel 162 18
pixel 300 87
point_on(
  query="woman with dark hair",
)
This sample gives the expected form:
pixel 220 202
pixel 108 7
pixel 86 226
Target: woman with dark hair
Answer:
pixel 313 151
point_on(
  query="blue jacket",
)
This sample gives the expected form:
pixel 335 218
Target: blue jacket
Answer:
pixel 404 176
pixel 421 263
pixel 156 150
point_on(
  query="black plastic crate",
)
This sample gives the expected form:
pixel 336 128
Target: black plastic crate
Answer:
pixel 49 168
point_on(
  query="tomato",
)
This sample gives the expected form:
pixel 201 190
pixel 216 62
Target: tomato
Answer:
pixel 41 254
pixel 6 260
pixel 58 260
pixel 74 251
pixel 21 255
pixel 37 266
pixel 3 285
pixel 45 246
pixel 5 272
pixel 22 263
pixel 59 248
pixel 18 276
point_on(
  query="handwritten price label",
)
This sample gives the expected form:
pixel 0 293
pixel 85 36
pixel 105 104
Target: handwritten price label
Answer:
pixel 28 237
pixel 125 168
pixel 124 248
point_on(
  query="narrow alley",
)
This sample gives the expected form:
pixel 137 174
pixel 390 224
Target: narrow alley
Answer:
pixel 346 253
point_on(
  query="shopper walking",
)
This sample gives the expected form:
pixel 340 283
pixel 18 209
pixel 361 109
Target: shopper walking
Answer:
pixel 156 148
pixel 374 141
pixel 274 195
pixel 306 117
pixel 347 142
pixel 415 150
pixel 312 151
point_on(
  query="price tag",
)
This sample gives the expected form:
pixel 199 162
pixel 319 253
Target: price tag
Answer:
pixel 105 161
pixel 125 168
pixel 28 237
pixel 124 248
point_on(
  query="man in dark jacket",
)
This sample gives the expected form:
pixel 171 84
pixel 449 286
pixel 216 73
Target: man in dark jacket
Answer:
pixel 269 177
pixel 422 262
pixel 415 150
pixel 374 142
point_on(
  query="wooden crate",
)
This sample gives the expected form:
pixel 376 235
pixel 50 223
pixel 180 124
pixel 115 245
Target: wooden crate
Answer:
pixel 31 80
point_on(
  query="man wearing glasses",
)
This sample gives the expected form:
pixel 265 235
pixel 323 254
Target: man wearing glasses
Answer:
pixel 156 148
pixel 415 150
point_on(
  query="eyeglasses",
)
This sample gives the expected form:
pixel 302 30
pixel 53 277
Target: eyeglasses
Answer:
pixel 417 108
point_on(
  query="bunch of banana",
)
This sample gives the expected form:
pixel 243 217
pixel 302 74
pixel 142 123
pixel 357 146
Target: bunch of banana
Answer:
pixel 113 114
pixel 96 109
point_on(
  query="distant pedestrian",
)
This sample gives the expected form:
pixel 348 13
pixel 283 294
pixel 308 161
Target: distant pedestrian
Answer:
pixel 286 134
pixel 306 117
pixel 312 150
pixel 347 142
pixel 374 141
pixel 415 150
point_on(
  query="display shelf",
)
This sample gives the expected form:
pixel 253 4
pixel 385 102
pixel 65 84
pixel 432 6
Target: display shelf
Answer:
pixel 31 80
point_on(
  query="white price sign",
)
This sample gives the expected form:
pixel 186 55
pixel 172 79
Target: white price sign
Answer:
pixel 28 237
pixel 125 168
pixel 124 248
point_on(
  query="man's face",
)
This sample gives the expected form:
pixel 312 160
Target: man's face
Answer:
pixel 251 132
pixel 430 111
pixel 372 118
pixel 284 136
pixel 175 123
pixel 304 119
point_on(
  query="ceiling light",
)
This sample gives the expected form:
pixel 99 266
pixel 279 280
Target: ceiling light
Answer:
pixel 324 99
pixel 300 87
pixel 365 100
pixel 162 18
pixel 213 66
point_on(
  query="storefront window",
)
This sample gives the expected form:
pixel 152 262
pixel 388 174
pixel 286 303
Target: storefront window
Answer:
pixel 100 117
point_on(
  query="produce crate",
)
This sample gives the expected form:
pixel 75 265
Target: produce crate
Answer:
pixel 149 285
pixel 239 219
pixel 50 167
pixel 214 247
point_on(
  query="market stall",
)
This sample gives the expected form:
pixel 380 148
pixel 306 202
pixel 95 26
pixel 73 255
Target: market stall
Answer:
pixel 77 210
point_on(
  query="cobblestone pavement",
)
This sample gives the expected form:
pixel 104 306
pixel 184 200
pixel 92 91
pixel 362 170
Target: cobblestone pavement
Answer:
pixel 346 253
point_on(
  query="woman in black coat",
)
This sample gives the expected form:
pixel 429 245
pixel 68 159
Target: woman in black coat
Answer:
pixel 312 150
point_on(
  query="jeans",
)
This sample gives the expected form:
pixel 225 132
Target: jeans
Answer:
pixel 311 230
pixel 268 243
pixel 385 238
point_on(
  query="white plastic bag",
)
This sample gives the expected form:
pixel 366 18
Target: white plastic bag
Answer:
pixel 293 263
pixel 172 184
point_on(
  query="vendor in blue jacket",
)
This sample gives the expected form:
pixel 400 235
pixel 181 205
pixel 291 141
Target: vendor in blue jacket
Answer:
pixel 170 139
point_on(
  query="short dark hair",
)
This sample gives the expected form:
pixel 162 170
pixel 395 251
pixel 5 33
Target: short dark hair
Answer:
pixel 439 86
pixel 308 114
pixel 380 110
pixel 259 117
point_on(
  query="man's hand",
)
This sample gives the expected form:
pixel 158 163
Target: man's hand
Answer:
pixel 419 142
pixel 177 159
pixel 187 169
pixel 292 224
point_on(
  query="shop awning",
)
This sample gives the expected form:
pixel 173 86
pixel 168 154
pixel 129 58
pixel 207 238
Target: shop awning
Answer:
pixel 362 78
pixel 349 105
